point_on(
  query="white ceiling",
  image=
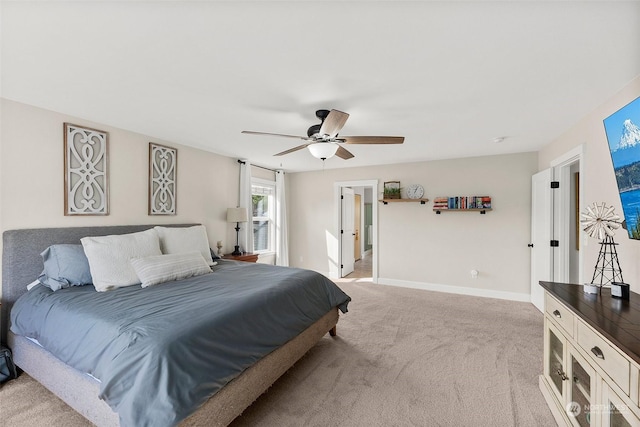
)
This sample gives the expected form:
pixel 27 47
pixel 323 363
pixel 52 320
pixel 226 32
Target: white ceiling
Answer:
pixel 449 76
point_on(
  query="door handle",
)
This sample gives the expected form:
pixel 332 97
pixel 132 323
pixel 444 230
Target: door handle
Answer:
pixel 530 245
pixel 557 314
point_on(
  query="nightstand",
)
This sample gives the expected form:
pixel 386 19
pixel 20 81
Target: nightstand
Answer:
pixel 247 257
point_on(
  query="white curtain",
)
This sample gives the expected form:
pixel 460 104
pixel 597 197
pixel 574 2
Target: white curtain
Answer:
pixel 282 245
pixel 246 229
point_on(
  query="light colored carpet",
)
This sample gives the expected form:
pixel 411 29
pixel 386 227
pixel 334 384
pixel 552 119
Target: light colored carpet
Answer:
pixel 402 357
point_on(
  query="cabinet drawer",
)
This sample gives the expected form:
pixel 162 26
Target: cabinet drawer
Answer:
pixel 604 355
pixel 559 313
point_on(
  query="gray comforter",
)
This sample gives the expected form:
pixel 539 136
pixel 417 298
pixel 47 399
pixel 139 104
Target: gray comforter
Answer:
pixel 161 351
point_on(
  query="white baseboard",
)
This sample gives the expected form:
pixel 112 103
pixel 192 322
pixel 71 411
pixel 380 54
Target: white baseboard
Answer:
pixel 487 293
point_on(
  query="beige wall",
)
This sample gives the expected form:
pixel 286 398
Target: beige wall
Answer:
pixel 598 178
pixel 31 177
pixel 416 246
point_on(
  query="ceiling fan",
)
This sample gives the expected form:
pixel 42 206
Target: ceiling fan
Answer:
pixel 322 139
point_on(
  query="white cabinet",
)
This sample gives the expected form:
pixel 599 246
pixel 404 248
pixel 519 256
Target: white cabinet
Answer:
pixel 559 314
pixel 604 355
pixel 555 346
pixel 570 377
pixel 616 413
pixel 581 386
pixel 588 380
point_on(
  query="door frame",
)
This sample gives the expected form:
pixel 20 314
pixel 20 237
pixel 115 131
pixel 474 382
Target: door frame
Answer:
pixel 347 232
pixel 337 190
pixel 358 207
pixel 561 168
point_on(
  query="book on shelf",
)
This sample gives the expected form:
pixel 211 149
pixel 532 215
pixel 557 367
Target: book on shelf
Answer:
pixel 441 203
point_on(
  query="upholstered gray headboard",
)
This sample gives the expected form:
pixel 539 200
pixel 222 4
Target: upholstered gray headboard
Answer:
pixel 22 263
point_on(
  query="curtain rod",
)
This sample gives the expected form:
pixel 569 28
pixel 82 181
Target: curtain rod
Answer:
pixel 261 167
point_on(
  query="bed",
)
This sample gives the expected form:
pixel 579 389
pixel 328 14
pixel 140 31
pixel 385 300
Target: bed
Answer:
pixel 231 394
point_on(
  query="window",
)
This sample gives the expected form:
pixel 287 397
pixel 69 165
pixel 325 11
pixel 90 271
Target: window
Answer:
pixel 263 204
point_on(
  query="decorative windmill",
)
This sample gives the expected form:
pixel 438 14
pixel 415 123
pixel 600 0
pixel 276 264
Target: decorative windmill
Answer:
pixel 600 222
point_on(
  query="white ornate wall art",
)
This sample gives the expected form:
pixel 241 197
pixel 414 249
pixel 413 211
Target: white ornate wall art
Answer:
pixel 86 180
pixel 163 172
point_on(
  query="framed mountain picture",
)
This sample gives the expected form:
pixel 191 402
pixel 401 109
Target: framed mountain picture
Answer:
pixel 623 135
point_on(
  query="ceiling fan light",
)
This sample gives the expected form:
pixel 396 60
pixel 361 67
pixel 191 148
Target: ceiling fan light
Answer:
pixel 323 150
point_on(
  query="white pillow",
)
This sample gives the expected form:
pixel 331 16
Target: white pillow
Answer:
pixel 109 257
pixel 164 268
pixel 180 240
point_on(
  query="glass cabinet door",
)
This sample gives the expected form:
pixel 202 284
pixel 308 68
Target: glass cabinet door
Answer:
pixel 555 359
pixel 617 418
pixel 581 390
pixel 617 413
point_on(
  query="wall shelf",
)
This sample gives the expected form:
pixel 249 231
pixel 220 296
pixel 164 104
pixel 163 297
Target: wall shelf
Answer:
pixel 385 201
pixel 480 204
pixel 482 211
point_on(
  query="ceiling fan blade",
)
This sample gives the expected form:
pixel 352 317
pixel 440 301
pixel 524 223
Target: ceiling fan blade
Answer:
pixel 333 123
pixel 291 150
pixel 372 139
pixel 343 153
pixel 250 132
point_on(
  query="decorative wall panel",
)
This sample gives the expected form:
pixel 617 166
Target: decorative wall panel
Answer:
pixel 163 162
pixel 85 171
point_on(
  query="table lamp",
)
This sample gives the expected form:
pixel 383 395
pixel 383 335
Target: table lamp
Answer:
pixel 237 215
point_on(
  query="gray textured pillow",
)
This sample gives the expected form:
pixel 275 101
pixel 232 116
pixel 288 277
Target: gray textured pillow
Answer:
pixel 158 269
pixel 65 266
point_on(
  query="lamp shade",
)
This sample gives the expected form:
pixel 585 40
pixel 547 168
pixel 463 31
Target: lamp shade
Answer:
pixel 323 150
pixel 237 215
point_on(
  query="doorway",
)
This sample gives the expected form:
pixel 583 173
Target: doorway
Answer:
pixel 347 231
pixel 362 219
pixel 357 226
pixel 555 233
pixel 567 260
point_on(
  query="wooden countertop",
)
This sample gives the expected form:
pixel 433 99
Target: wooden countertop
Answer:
pixel 616 319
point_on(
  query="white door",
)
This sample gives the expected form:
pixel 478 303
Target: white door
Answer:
pixel 357 225
pixel 541 224
pixel 347 232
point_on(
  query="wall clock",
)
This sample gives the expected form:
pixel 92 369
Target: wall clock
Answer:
pixel 415 191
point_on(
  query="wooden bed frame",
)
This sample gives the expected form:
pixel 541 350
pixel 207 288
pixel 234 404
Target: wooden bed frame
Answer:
pixel 21 264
